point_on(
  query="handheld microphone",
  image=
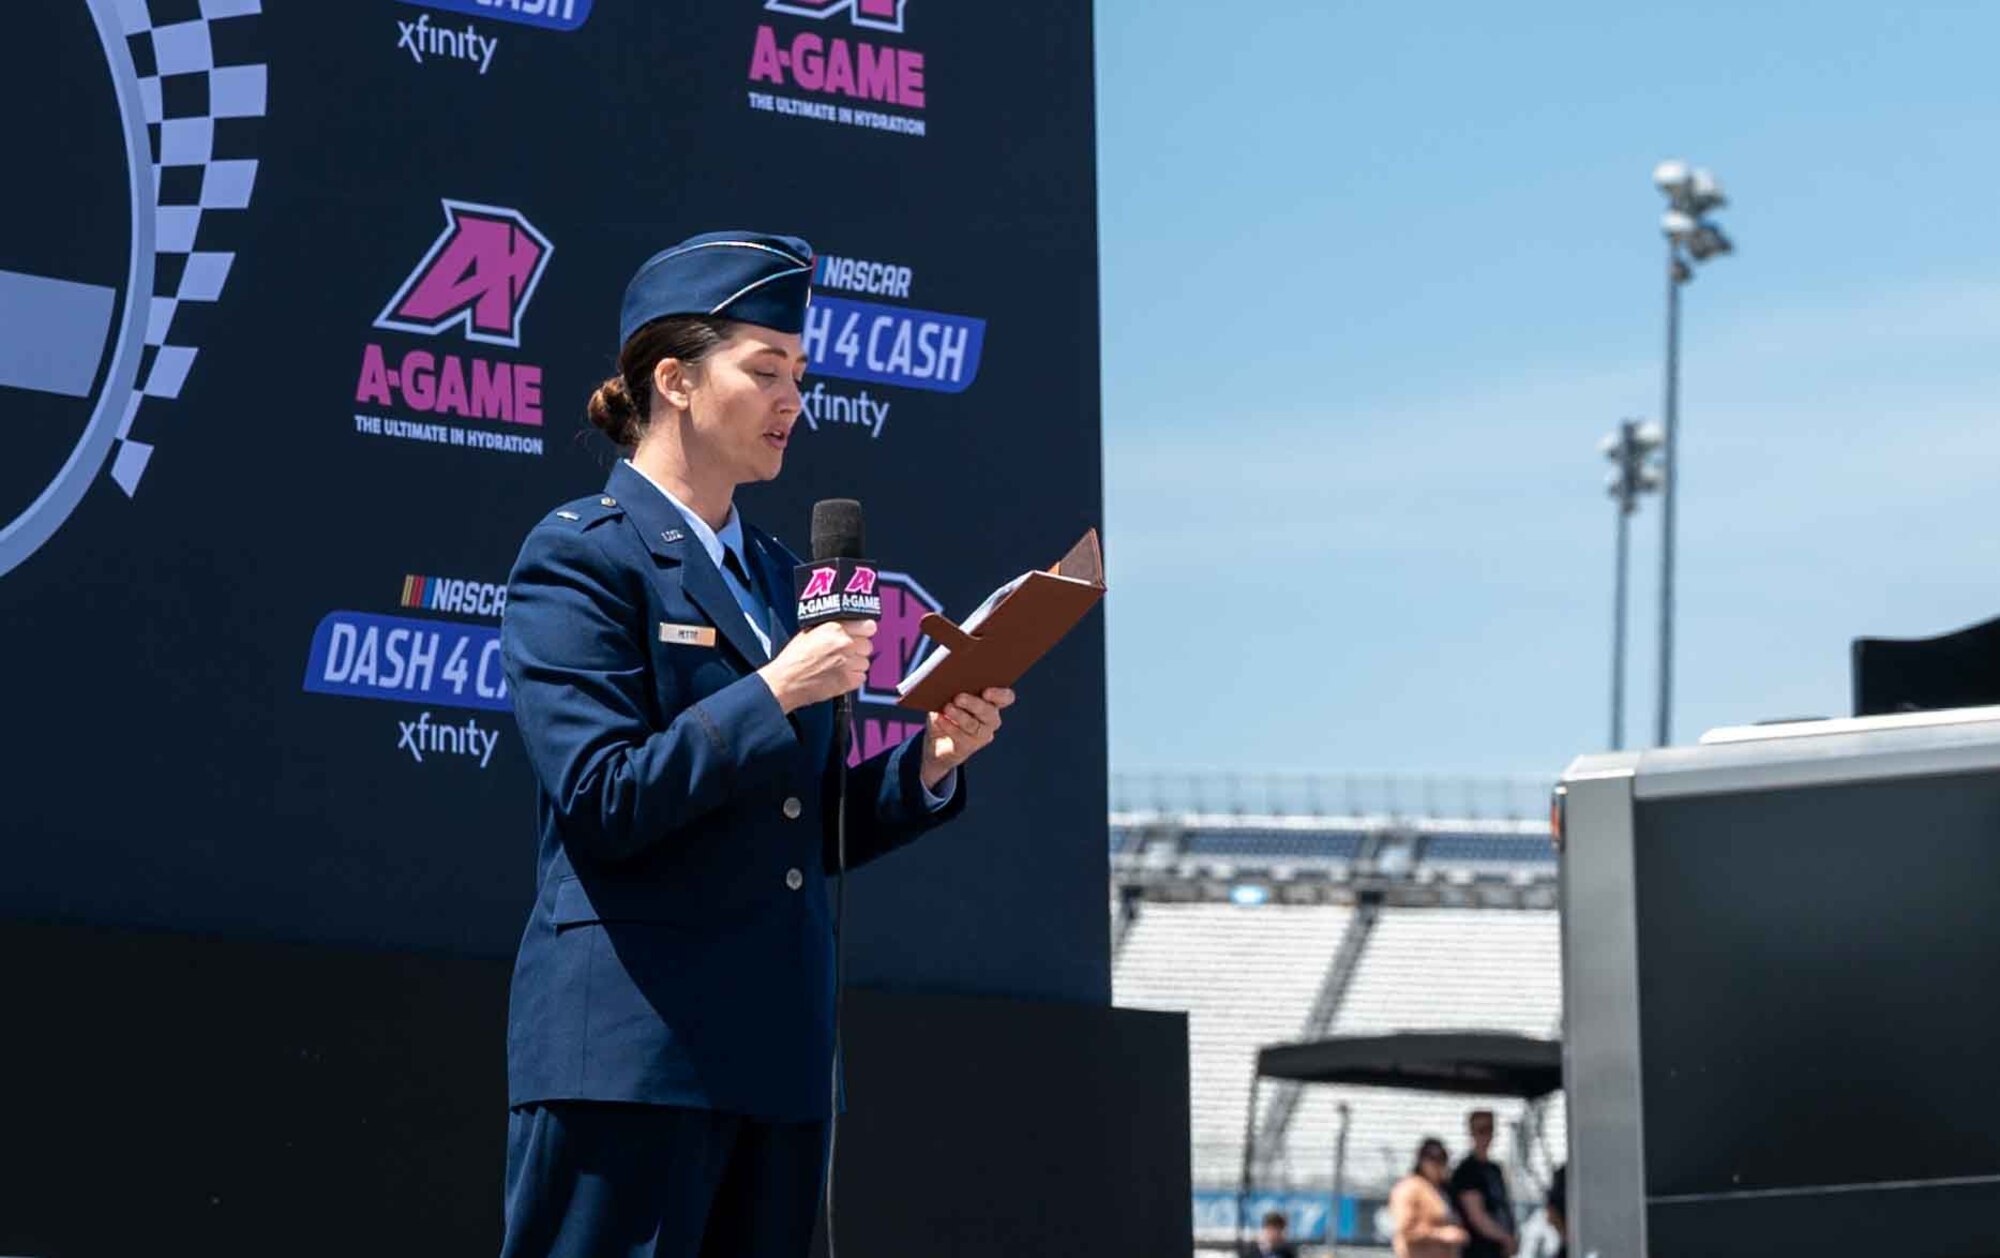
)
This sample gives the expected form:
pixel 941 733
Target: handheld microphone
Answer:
pixel 838 584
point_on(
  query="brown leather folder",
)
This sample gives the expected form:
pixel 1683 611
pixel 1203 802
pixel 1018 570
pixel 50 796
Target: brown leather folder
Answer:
pixel 1017 631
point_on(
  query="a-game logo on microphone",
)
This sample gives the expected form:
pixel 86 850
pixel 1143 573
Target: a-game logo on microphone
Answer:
pixel 474 283
pixel 829 61
pixel 837 589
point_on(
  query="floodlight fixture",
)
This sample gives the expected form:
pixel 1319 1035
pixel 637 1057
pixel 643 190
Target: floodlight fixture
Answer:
pixel 1691 239
pixel 1707 241
pixel 1704 192
pixel 1632 449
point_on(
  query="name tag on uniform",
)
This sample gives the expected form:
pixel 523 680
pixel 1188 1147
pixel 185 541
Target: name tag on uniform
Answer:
pixel 687 635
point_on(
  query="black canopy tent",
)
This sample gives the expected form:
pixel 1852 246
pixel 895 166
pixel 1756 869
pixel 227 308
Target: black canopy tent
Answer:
pixel 1478 1063
pixel 1467 1063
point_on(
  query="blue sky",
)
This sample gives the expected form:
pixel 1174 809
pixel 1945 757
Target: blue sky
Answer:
pixel 1377 278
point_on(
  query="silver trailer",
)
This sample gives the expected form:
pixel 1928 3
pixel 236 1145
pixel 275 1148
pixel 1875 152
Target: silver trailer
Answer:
pixel 1781 991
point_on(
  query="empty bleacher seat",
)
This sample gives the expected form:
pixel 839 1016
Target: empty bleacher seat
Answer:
pixel 1489 849
pixel 1326 845
pixel 1246 976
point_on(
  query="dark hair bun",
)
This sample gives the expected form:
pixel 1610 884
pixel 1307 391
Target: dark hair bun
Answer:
pixel 614 414
pixel 619 407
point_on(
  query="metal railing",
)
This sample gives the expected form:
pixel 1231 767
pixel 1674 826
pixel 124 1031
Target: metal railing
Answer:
pixel 1158 793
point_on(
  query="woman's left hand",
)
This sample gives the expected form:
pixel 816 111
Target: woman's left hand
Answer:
pixel 964 727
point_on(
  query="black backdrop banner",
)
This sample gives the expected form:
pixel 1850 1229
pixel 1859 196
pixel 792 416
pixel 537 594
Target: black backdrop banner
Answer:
pixel 300 311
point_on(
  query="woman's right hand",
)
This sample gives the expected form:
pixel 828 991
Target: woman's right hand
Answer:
pixel 824 662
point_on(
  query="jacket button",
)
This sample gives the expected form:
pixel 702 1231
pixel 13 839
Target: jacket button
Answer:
pixel 793 808
pixel 794 879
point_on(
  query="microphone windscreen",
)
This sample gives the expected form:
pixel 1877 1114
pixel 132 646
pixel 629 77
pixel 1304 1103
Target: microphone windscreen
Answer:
pixel 836 529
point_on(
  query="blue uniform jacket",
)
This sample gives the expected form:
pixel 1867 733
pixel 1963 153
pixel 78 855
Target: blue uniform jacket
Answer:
pixel 680 950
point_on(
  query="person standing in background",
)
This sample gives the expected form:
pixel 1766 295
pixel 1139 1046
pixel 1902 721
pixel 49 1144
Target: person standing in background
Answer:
pixel 1422 1221
pixel 1271 1242
pixel 1479 1193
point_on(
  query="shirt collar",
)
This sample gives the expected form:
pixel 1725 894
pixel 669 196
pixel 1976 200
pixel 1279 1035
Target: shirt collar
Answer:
pixel 714 541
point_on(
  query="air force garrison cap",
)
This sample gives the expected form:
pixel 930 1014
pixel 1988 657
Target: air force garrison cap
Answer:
pixel 741 275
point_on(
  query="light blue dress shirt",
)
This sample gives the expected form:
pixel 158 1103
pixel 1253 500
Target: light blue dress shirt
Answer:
pixel 729 538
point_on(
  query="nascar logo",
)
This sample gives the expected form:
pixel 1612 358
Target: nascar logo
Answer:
pixel 448 594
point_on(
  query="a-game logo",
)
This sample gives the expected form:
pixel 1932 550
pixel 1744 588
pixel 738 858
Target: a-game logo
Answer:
pixel 474 283
pixel 900 644
pixel 882 15
pixel 825 60
pixel 478 276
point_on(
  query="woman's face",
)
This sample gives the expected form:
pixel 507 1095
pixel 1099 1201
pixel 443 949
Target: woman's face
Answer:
pixel 743 400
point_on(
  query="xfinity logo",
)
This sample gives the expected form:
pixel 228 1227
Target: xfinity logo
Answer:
pixel 421 736
pixel 830 406
pixel 420 39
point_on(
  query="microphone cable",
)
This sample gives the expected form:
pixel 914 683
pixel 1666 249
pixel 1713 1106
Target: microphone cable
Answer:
pixel 843 716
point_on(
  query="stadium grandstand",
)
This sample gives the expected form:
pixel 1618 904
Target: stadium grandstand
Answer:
pixel 1281 909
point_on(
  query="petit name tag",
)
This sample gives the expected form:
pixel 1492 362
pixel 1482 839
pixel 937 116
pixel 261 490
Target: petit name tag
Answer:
pixel 688 635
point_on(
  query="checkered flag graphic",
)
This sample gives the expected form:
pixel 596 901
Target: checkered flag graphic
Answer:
pixel 204 93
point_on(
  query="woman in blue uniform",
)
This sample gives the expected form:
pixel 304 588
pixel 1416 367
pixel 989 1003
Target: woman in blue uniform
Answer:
pixel 670 1030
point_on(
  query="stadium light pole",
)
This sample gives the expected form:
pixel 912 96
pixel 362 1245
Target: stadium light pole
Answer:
pixel 1633 472
pixel 1691 239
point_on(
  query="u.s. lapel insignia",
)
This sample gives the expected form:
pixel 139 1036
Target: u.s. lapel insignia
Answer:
pixel 671 536
pixel 687 635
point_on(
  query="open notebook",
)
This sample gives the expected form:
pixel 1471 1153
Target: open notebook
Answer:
pixel 1004 636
